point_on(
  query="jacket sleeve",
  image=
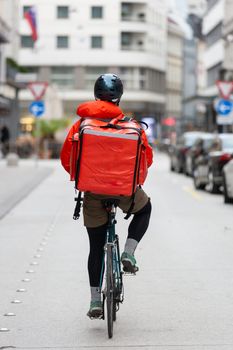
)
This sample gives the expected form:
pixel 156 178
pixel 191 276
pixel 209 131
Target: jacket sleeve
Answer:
pixel 67 146
pixel 149 150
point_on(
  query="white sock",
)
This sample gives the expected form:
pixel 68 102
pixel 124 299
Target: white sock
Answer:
pixel 130 246
pixel 95 294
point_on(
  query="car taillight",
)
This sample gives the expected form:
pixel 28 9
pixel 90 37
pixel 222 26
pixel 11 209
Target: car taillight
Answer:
pixel 225 157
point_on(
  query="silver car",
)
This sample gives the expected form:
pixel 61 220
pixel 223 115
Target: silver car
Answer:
pixel 228 182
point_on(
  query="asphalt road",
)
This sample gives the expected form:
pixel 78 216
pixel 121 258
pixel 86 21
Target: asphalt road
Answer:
pixel 181 299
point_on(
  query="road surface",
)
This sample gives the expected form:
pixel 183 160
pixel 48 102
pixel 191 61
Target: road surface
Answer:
pixel 181 299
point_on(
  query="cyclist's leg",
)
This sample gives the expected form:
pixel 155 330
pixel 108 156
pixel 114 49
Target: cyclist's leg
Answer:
pixel 95 219
pixel 97 236
pixel 137 229
pixel 139 224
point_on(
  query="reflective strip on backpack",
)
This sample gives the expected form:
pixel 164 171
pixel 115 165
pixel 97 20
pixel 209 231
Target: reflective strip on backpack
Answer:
pixel 110 134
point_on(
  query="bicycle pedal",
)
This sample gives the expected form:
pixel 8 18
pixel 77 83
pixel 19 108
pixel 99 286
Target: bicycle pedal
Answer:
pixel 126 273
pixel 98 317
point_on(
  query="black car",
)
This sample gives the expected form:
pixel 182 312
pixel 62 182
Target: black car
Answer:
pixel 199 147
pixel 178 152
pixel 208 166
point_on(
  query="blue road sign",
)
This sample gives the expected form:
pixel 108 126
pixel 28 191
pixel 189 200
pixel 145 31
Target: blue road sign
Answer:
pixel 37 108
pixel 224 107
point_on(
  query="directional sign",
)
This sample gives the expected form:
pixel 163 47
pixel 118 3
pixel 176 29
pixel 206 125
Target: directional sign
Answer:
pixel 224 109
pixel 37 108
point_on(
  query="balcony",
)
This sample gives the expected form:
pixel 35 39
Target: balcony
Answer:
pixel 133 12
pixel 133 41
pixel 4 32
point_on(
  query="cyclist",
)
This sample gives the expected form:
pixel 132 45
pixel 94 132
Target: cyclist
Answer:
pixel 108 90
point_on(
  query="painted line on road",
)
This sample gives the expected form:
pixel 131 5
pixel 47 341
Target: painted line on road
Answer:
pixel 193 193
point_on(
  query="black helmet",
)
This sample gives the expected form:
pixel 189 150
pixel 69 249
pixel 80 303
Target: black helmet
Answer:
pixel 108 87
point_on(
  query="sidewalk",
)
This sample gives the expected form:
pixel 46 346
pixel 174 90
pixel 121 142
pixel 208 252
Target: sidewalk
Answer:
pixel 18 181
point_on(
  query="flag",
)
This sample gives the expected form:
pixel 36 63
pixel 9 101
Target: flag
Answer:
pixel 30 16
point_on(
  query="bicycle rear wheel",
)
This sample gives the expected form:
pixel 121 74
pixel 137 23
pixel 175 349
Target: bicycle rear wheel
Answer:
pixel 115 306
pixel 109 292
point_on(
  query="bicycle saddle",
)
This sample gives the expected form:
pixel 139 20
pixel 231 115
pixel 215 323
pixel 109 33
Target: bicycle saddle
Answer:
pixel 109 202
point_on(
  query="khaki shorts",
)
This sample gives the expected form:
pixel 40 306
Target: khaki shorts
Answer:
pixel 95 215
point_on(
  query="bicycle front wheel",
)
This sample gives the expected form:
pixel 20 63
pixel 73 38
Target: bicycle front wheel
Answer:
pixel 109 292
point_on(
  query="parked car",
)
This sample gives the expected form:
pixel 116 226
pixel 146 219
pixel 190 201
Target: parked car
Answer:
pixel 199 147
pixel 228 182
pixel 208 166
pixel 178 151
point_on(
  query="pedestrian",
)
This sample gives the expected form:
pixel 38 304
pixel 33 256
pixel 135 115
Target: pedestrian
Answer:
pixel 108 90
pixel 5 140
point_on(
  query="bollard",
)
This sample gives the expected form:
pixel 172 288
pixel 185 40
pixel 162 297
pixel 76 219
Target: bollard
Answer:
pixel 12 159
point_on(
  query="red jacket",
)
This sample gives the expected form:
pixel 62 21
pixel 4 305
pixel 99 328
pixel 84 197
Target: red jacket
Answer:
pixel 97 110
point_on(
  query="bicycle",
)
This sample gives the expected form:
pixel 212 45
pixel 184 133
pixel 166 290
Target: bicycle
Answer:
pixel 113 291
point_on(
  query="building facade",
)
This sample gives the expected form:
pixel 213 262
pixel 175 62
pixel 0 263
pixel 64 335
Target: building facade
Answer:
pixel 228 40
pixel 174 76
pixel 217 53
pixel 214 53
pixel 196 7
pixel 78 41
pixel 9 109
pixel 194 77
pixel 4 39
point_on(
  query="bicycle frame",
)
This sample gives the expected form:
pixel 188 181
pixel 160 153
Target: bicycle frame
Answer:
pixel 112 257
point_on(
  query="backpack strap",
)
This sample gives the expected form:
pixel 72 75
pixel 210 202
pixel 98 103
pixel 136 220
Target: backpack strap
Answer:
pixel 144 123
pixel 79 198
pixel 78 206
pixel 129 212
pixel 125 119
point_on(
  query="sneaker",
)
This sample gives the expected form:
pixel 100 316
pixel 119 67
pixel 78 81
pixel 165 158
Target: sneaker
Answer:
pixel 96 310
pixel 129 263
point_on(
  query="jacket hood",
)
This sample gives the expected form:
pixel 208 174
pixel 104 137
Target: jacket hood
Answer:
pixel 99 109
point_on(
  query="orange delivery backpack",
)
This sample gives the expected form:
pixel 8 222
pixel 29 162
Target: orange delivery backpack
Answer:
pixel 108 158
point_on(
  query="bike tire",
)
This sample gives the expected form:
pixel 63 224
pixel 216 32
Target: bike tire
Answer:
pixel 114 300
pixel 110 291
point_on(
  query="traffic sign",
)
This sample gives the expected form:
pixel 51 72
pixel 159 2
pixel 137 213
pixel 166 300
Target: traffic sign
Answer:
pixel 224 109
pixel 37 108
pixel 38 89
pixel 225 88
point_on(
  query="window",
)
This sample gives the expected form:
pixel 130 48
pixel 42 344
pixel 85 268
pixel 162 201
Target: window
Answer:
pixel 143 79
pixel 156 81
pixel 96 12
pixel 62 12
pixel 213 74
pixel 96 42
pixel 92 73
pixel 63 77
pixel 26 9
pixel 62 42
pixel 127 76
pixel 214 35
pixel 134 78
pixel 26 41
pixel 126 39
pixel 126 9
